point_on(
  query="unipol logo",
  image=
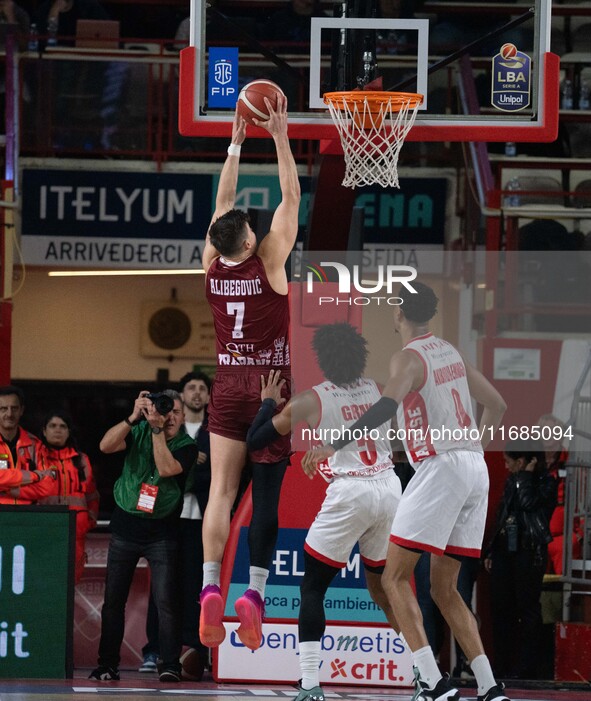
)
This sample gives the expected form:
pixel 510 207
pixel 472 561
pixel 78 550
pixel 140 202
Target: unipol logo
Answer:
pixel 388 277
pixel 12 579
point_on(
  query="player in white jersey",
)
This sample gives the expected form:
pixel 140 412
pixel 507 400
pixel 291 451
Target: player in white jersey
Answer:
pixel 363 493
pixel 443 509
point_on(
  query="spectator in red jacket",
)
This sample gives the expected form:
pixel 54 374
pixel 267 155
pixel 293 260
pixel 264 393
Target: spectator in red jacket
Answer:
pixel 75 485
pixel 19 449
pixel 556 457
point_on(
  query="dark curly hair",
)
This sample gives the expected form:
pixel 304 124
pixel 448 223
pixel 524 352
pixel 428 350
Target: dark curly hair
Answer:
pixel 418 308
pixel 341 352
pixel 187 377
pixel 228 232
pixel 526 449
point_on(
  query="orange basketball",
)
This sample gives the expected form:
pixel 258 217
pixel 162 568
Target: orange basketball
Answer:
pixel 508 50
pixel 251 101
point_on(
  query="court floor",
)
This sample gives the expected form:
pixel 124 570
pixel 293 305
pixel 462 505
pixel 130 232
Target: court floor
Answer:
pixel 138 687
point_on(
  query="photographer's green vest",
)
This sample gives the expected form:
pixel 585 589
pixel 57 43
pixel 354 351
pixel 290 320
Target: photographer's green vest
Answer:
pixel 139 467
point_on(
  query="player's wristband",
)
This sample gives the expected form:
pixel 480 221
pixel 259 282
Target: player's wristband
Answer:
pixel 382 411
pixel 128 422
pixel 234 150
pixel 262 432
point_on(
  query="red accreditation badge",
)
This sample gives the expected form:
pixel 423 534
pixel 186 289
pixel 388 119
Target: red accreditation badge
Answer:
pixel 148 494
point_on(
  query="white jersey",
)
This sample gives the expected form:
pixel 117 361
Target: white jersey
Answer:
pixel 340 407
pixel 438 416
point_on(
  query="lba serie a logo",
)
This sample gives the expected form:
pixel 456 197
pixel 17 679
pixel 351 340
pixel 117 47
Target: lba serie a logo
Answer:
pixel 353 290
pixel 511 79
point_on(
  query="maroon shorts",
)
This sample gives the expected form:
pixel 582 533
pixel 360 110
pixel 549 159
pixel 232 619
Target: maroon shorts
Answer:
pixel 234 402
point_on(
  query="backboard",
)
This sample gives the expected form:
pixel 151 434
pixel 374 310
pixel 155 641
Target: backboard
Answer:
pixel 485 69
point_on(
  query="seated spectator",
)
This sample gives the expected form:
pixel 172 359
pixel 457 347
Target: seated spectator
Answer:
pixel 390 41
pixel 75 484
pixel 556 457
pixel 67 13
pixel 290 26
pixel 19 449
pixel 11 13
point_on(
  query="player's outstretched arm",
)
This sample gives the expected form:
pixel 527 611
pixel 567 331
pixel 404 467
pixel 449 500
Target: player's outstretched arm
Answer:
pixel 269 426
pixel 279 242
pixel 226 194
pixel 494 404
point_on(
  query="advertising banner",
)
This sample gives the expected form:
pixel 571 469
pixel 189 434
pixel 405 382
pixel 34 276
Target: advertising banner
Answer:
pixel 350 654
pixel 36 592
pixel 115 219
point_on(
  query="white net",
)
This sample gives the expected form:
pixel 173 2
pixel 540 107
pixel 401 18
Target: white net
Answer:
pixel 372 128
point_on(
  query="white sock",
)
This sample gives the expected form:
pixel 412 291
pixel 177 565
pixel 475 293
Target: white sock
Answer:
pixel 211 573
pixel 424 660
pixel 310 664
pixel 258 579
pixel 483 673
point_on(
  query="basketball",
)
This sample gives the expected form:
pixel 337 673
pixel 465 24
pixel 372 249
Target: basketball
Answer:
pixel 251 101
pixel 508 51
pixel 192 664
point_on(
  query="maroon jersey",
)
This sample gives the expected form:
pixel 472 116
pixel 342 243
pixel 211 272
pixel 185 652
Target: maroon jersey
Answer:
pixel 251 320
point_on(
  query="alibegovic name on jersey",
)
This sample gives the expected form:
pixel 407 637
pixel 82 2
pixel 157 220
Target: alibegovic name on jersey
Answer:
pixel 251 320
pixel 236 288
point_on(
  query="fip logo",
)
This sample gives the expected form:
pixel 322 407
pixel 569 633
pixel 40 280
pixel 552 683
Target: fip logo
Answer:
pixel 223 76
pixel 350 281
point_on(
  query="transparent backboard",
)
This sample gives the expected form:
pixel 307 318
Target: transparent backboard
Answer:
pixel 485 69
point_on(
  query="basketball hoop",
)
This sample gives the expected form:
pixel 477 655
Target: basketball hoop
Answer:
pixel 372 127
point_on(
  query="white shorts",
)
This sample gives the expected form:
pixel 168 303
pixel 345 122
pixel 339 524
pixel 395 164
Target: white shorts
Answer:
pixel 443 509
pixel 355 510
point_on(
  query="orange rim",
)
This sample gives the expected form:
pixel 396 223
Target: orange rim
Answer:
pixel 374 99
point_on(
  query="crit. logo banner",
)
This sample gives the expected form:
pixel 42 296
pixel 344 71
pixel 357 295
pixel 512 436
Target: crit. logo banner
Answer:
pixel 338 668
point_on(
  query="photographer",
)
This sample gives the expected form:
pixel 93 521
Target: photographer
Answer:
pixel 516 559
pixel 149 498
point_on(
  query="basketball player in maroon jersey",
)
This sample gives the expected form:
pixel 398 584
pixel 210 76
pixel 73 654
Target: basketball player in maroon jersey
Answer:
pixel 246 287
pixel 443 509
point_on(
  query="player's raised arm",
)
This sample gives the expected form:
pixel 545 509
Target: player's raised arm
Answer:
pixel 275 248
pixel 226 194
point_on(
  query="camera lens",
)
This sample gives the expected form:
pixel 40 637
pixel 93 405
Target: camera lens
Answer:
pixel 162 402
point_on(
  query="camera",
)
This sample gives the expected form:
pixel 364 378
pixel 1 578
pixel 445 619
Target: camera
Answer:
pixel 162 402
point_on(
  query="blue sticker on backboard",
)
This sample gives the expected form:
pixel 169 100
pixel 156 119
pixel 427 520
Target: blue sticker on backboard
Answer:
pixel 511 79
pixel 223 76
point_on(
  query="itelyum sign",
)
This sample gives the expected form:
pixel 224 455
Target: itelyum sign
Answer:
pixel 115 219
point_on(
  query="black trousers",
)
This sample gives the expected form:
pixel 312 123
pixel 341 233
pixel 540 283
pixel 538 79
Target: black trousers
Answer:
pixel 516 586
pixel 190 576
